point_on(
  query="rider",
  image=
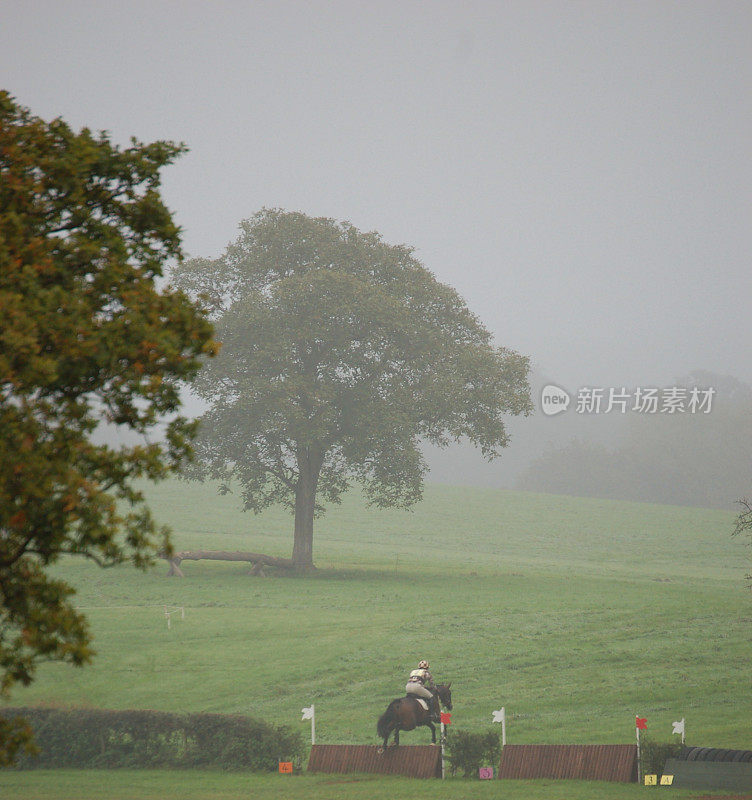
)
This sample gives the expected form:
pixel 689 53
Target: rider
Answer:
pixel 421 684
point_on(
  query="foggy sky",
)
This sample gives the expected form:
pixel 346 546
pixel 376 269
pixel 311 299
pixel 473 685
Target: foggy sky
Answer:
pixel 578 171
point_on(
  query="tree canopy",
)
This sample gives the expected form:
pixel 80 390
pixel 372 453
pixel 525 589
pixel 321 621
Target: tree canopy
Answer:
pixel 340 353
pixel 87 338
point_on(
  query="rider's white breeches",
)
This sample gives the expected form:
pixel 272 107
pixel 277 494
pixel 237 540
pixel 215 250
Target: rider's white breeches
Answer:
pixel 418 689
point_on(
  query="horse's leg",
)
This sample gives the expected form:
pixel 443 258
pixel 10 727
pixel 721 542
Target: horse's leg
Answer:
pixel 403 721
pixel 433 732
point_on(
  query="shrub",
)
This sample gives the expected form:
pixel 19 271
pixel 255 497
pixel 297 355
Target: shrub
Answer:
pixel 98 738
pixel 470 751
pixel 654 755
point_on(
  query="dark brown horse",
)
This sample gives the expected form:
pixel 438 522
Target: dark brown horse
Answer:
pixel 406 714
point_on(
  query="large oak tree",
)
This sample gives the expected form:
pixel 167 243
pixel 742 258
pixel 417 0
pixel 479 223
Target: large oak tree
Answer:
pixel 87 337
pixel 340 353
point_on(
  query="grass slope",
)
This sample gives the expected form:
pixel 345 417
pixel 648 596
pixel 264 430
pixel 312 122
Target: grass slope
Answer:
pixel 575 614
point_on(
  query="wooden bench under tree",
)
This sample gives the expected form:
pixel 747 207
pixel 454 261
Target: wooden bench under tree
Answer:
pixel 257 560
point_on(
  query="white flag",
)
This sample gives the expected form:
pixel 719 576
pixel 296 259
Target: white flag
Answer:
pixel 498 716
pixel 679 727
pixel 307 713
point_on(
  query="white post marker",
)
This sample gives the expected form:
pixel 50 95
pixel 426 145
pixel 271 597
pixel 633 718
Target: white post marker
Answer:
pixel 501 716
pixel 641 723
pixel 310 713
pixel 168 612
pixel 443 742
pixel 446 719
pixel 679 727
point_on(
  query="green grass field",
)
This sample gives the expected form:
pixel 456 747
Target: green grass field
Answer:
pixel 197 785
pixel 574 614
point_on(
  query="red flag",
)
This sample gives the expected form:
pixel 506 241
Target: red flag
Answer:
pixel 446 718
pixel 642 723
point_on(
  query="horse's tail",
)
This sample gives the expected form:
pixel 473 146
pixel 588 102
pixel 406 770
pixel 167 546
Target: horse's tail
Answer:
pixel 382 726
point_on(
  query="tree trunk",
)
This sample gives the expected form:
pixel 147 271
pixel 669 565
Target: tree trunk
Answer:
pixel 309 466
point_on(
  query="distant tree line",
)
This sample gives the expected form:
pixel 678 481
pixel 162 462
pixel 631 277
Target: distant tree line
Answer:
pixel 680 459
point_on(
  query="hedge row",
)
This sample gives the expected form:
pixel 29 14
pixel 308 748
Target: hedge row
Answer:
pixel 95 738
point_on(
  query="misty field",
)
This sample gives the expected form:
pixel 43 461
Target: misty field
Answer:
pixel 574 614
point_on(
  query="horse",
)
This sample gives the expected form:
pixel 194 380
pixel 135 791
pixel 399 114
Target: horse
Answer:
pixel 406 714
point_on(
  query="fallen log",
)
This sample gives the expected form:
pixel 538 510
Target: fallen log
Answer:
pixel 257 560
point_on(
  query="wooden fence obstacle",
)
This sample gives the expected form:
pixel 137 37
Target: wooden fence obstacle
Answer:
pixel 590 762
pixel 411 761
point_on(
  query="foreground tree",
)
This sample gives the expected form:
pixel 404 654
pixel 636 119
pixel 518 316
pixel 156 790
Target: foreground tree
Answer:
pixel 86 336
pixel 339 354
